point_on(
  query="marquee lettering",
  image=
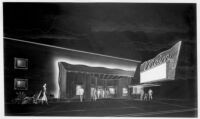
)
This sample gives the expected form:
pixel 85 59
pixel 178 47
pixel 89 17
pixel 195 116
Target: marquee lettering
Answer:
pixel 161 58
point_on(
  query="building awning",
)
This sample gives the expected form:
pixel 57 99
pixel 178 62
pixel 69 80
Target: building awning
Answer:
pixel 144 85
pixel 115 73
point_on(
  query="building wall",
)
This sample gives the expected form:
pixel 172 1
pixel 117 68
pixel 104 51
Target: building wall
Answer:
pixel 42 66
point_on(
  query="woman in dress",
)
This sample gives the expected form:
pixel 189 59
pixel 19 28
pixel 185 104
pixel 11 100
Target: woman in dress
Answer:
pixel 44 97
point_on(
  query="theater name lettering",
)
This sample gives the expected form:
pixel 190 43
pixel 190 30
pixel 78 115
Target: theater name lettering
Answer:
pixel 168 55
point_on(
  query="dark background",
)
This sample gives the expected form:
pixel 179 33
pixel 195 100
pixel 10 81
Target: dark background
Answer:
pixel 128 30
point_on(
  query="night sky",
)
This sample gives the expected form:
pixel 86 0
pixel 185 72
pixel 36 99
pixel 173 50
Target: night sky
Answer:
pixel 127 30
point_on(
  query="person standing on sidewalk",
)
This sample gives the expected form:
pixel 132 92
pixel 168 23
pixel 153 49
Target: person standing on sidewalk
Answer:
pixel 141 93
pixel 81 94
pixel 44 97
pixel 145 96
pixel 94 94
pixel 150 92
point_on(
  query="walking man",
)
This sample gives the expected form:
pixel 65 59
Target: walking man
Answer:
pixel 81 94
pixel 141 94
pixel 94 94
pixel 150 92
pixel 98 93
pixel 145 96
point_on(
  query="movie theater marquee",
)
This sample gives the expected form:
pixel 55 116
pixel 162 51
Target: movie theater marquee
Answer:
pixel 170 57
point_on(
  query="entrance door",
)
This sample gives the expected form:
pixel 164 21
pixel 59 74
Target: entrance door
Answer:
pixel 124 91
pixel 78 89
pixel 111 91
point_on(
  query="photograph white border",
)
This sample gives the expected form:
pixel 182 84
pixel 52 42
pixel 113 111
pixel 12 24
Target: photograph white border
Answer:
pixel 2 112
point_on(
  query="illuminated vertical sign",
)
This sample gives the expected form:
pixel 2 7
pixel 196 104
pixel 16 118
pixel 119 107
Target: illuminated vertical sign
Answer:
pixel 170 57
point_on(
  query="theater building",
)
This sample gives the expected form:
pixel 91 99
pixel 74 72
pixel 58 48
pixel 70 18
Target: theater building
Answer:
pixel 29 65
pixel 160 75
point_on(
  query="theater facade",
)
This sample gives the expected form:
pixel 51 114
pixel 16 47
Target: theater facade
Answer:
pixel 109 83
pixel 29 65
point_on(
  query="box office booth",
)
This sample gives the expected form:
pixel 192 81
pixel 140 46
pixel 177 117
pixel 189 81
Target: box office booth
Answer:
pixel 109 83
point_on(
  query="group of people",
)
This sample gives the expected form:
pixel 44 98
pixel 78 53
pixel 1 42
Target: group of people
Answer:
pixel 42 97
pixel 99 93
pixel 146 95
pixel 96 93
pixel 39 98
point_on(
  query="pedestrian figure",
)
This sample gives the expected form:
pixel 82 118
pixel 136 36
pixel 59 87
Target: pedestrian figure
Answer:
pixel 150 92
pixel 145 96
pixel 81 94
pixel 44 97
pixel 141 93
pixel 94 95
pixel 98 93
pixel 106 93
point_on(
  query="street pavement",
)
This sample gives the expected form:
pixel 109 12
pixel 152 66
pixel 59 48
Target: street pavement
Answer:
pixel 108 108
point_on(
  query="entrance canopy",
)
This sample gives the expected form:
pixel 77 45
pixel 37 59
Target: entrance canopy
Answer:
pixel 101 71
pixel 144 85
